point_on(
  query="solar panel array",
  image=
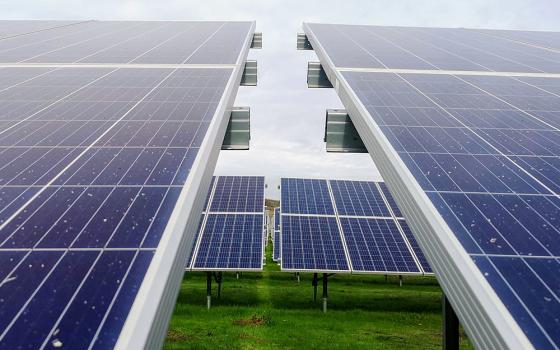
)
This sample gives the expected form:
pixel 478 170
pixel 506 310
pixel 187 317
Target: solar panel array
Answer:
pixel 231 230
pixel 276 236
pixel 464 127
pixel 97 160
pixel 344 226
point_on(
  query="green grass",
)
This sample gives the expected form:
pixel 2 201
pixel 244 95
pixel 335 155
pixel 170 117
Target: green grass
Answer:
pixel 271 310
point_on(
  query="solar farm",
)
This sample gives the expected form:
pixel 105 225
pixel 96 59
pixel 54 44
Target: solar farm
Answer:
pixel 116 232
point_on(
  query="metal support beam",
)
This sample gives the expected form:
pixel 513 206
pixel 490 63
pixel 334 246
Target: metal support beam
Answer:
pixel 208 289
pixel 450 331
pixel 249 77
pixel 316 76
pixel 238 132
pixel 400 280
pixel 340 133
pixel 256 43
pixel 302 42
pixel 325 292
pixel 314 283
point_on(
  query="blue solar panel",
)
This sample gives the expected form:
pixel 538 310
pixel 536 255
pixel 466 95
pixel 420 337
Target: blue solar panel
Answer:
pixel 362 46
pixel 305 196
pixel 358 198
pixel 390 200
pixel 239 194
pixel 276 219
pixel 415 247
pixel 231 225
pixel 484 148
pixel 377 245
pixel 231 241
pixel 312 243
pixel 92 162
pixel 276 246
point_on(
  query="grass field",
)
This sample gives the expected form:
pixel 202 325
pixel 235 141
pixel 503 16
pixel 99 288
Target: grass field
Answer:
pixel 271 310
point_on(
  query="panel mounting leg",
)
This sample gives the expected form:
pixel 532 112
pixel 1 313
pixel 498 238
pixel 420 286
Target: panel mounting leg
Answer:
pixel 237 275
pixel 325 293
pixel 218 278
pixel 314 284
pixel 297 275
pixel 450 326
pixel 385 278
pixel 400 280
pixel 208 289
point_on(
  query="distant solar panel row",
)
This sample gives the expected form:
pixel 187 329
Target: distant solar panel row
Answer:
pixel 231 230
pixel 94 163
pixel 276 236
pixel 482 147
pixel 361 234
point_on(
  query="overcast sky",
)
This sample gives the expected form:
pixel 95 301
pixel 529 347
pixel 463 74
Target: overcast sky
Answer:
pixel 287 119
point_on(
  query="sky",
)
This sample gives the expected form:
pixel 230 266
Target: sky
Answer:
pixel 287 118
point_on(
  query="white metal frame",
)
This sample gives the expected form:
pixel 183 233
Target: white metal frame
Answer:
pixel 485 318
pixel 148 319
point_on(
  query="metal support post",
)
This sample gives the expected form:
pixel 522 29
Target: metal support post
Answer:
pixel 314 284
pixel 325 293
pixel 400 280
pixel 450 326
pixel 208 289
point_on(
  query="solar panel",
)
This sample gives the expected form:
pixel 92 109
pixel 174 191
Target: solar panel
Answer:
pixel 231 235
pixel 276 219
pixel 276 246
pixel 472 159
pixel 377 245
pixel 13 28
pixel 305 196
pixel 102 169
pixel 371 239
pixel 376 47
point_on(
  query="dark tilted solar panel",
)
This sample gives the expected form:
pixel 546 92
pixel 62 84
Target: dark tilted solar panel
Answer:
pixel 232 236
pixel 485 151
pixel 358 198
pixel 312 244
pixel 415 247
pixel 276 246
pixel 231 241
pixel 305 196
pixel 92 162
pixel 362 46
pixel 276 219
pixel 238 194
pixel 376 245
pixel 153 42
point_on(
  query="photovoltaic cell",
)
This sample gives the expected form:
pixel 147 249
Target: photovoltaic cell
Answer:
pixel 231 241
pixel 358 198
pixel 276 219
pixel 371 239
pixel 92 162
pixel 377 245
pixel 484 148
pixel 312 243
pixel 362 46
pixel 305 196
pixel 276 246
pixel 232 237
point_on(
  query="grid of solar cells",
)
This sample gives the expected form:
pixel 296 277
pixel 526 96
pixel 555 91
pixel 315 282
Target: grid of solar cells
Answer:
pixel 276 219
pixel 305 196
pixel 431 48
pixel 239 194
pixel 485 149
pixel 13 28
pixel 358 198
pixel 231 241
pixel 92 161
pixel 377 245
pixel 276 246
pixel 389 197
pixel 232 236
pixel 312 244
pixel 170 42
pixel 414 245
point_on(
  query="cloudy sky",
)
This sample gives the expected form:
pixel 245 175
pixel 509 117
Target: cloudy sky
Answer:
pixel 287 119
